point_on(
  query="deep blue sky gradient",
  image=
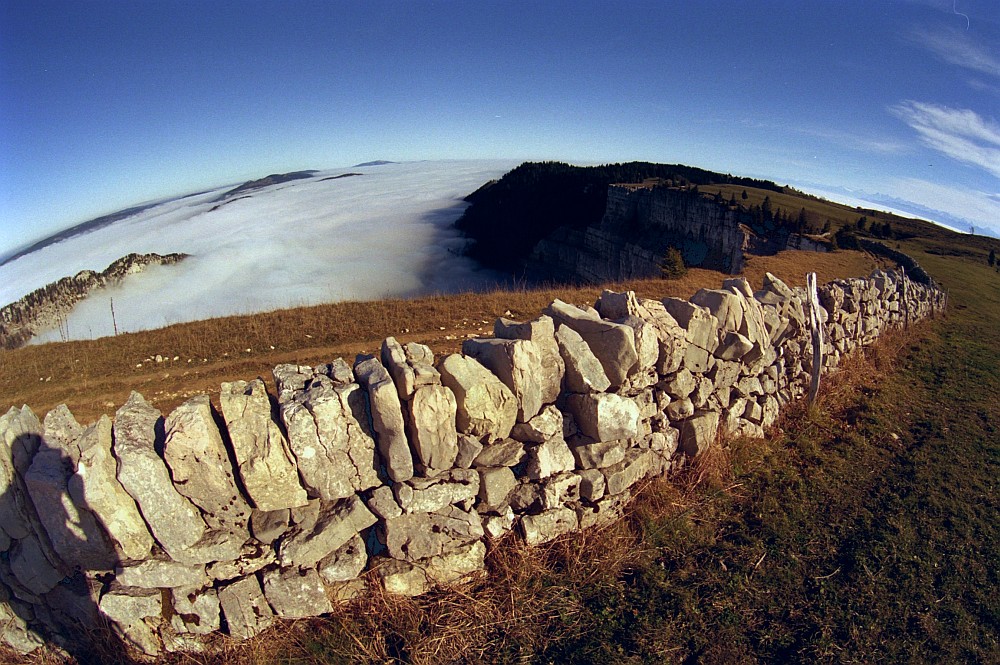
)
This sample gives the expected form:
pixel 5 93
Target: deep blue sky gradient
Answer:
pixel 104 104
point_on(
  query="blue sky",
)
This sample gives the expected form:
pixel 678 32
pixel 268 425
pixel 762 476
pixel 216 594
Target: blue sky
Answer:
pixel 106 104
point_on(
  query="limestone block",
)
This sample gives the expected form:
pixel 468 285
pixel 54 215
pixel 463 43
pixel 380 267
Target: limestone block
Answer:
pixel 247 612
pixel 329 435
pixel 541 428
pixel 592 484
pixel 128 609
pixel 346 562
pixel 541 331
pixel 383 503
pixel 173 519
pixel 584 372
pixel 516 362
pixel 606 510
pixel 559 489
pixel 598 455
pixel 604 416
pixel 486 408
pixel 268 526
pixel 432 415
pixel 638 464
pixel 680 409
pixel 452 567
pixel 701 328
pixel 428 495
pixel 507 452
pixel 415 536
pixel 495 485
pixel 296 593
pixel 61 430
pixel 698 432
pixel 402 577
pixel 32 566
pixel 74 533
pixel 680 385
pixel 336 524
pixel 549 525
pixel 526 497
pixel 252 557
pixel 733 347
pixel 266 465
pixel 725 306
pixel 95 485
pixel 498 526
pixel 612 343
pixel 387 418
pixel 548 458
pixel 161 574
pixel 469 448
pixel 410 366
pixel 196 611
pixel 200 468
pixel 19 439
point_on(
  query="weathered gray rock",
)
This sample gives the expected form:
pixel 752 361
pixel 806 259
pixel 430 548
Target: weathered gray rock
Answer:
pixel 541 428
pixel 598 455
pixel 402 577
pixel 196 611
pixel 612 343
pixel 268 526
pixel 541 331
pixel 495 485
pixel 95 485
pixel 266 465
pixel 487 409
pixel 20 435
pixel 252 557
pixel 680 385
pixel 584 372
pixel 328 432
pixel 549 458
pixel 592 484
pixel 334 526
pixel 604 416
pixel 383 503
pixel 428 495
pixel 468 449
pixel 451 567
pixel 14 629
pixel 432 426
pixel 733 347
pixel 638 464
pixel 507 452
pixel 415 536
pixel 33 566
pixel 411 366
pixel 295 593
pixel 61 431
pixel 605 511
pixel 247 612
pixel 549 525
pixel 74 533
pixel 346 562
pixel 201 470
pixel 498 526
pixel 559 489
pixel 387 418
pixel 698 432
pixel 161 574
pixel 173 520
pixel 701 330
pixel 129 610
pixel 680 409
pixel 516 362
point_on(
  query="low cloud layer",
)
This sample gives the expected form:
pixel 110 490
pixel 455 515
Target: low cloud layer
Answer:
pixel 385 233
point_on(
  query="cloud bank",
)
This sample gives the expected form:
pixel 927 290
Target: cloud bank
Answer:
pixel 386 233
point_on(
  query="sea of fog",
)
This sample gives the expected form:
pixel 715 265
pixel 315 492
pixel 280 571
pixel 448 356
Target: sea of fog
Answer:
pixel 385 233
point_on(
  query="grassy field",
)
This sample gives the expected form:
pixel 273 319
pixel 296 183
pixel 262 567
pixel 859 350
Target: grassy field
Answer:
pixel 865 529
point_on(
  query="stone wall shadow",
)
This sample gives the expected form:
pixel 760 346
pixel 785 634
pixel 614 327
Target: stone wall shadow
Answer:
pixel 66 615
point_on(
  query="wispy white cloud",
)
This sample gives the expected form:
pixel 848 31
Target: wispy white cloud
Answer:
pixel 961 134
pixel 980 208
pixel 956 47
pixel 855 142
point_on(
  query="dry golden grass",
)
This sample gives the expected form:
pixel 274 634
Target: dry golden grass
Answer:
pixel 95 377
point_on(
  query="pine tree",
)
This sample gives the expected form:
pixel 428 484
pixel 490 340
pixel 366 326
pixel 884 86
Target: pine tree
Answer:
pixel 993 257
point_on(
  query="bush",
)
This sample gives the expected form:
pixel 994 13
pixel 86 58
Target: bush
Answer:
pixel 673 266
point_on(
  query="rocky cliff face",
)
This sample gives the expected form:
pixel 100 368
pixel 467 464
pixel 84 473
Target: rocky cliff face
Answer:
pixel 639 224
pixel 44 308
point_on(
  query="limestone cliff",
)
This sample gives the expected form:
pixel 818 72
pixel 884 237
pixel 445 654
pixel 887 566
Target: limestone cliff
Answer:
pixel 44 308
pixel 640 222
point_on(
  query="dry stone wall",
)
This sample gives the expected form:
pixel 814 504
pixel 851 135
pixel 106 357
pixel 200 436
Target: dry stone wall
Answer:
pixel 394 470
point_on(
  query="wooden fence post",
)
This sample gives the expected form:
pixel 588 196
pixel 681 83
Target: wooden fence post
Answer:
pixel 816 327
